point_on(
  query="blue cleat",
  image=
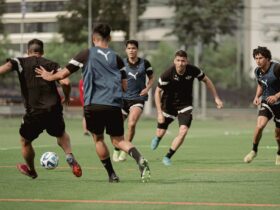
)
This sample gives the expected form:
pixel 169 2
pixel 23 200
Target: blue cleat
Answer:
pixel 155 143
pixel 166 161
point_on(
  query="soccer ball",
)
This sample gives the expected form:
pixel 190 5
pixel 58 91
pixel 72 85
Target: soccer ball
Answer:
pixel 49 160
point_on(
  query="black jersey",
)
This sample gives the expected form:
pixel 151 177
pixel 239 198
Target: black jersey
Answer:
pixel 177 89
pixel 38 93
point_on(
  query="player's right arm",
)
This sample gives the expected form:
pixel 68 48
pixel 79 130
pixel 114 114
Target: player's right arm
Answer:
pixel 6 67
pixel 74 65
pixel 158 94
pixel 257 99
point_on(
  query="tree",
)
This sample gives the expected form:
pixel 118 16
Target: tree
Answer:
pixel 74 25
pixel 63 54
pixel 162 58
pixel 202 20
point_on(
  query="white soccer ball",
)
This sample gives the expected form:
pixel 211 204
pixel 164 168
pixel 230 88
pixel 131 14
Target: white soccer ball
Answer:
pixel 49 160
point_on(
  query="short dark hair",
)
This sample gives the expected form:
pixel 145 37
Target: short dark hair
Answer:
pixel 133 42
pixel 103 30
pixel 36 46
pixel 181 53
pixel 263 51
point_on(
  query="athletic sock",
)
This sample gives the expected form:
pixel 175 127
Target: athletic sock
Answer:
pixel 278 153
pixel 117 149
pixel 133 152
pixel 170 153
pixel 108 166
pixel 255 147
pixel 70 158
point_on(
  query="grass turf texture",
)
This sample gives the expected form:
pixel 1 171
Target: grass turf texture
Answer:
pixel 207 171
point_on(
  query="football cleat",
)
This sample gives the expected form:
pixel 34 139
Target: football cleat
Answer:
pixel 24 169
pixel 250 156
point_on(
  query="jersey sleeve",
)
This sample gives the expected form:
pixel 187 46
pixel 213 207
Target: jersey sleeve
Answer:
pixel 121 67
pixel 16 64
pixel 165 78
pixel 256 72
pixel 78 61
pixel 148 68
pixel 198 73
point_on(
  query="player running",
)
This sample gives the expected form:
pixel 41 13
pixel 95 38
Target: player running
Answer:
pixel 173 98
pixel 137 69
pixel 104 80
pixel 267 96
pixel 43 106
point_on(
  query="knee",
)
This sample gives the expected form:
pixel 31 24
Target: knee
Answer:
pixel 260 126
pixel 183 131
pixel 25 142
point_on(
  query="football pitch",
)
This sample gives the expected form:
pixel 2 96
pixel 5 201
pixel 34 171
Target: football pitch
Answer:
pixel 207 172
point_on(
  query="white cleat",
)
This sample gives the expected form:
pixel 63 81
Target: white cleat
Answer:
pixel 116 155
pixel 250 156
pixel 122 156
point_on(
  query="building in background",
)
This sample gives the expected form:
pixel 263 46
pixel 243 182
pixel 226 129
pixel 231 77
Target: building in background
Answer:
pixel 261 28
pixel 156 25
pixel 27 19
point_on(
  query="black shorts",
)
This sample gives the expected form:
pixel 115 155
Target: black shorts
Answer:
pixel 270 111
pixel 35 122
pixel 127 104
pixel 99 117
pixel 184 117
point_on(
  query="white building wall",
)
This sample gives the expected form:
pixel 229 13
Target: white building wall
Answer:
pixel 265 27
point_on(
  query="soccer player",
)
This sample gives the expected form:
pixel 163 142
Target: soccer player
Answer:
pixel 267 96
pixel 81 91
pixel 43 106
pixel 137 91
pixel 104 80
pixel 173 98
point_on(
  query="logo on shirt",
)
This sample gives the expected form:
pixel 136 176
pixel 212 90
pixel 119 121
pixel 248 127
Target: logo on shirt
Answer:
pixel 133 75
pixel 188 77
pixel 264 82
pixel 176 77
pixel 104 54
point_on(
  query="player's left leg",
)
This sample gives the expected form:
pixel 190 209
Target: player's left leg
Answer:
pixel 64 142
pixel 133 117
pixel 176 143
pixel 185 120
pixel 130 149
pixel 55 126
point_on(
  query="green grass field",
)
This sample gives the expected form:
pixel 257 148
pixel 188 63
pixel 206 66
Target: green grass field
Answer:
pixel 207 172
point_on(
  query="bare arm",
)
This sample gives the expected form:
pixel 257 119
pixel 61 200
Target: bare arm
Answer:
pixel 5 67
pixel 257 99
pixel 50 76
pixel 124 85
pixel 148 86
pixel 158 94
pixel 209 84
pixel 66 87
